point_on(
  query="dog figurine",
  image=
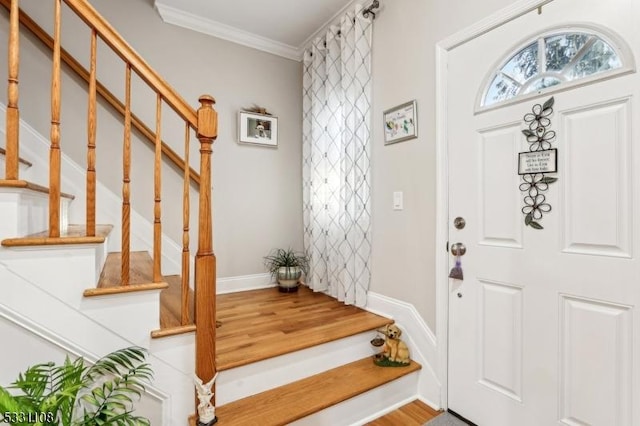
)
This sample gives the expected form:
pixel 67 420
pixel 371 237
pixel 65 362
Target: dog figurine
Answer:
pixel 394 349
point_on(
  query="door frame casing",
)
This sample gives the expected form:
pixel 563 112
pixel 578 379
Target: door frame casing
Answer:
pixel 443 48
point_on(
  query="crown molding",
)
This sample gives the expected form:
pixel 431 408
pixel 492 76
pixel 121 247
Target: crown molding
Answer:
pixel 210 27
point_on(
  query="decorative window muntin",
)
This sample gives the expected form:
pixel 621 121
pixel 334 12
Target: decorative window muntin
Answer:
pixel 560 57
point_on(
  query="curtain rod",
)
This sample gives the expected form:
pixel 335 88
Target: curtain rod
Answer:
pixel 369 10
pixel 366 12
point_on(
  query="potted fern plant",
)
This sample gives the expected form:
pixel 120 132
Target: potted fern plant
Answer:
pixel 287 266
pixel 73 394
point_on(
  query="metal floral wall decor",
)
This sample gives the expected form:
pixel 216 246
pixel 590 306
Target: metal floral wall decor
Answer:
pixel 535 164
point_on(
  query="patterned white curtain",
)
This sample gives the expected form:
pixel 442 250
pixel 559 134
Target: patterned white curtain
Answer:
pixel 336 159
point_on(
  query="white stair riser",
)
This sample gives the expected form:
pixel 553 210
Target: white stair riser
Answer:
pixel 365 407
pixel 26 212
pixel 65 271
pixel 131 315
pixel 260 376
pixel 177 351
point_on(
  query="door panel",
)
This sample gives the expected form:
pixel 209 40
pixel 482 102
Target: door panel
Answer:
pixel 500 338
pixel 595 355
pixel 499 227
pixel 597 143
pixel 544 329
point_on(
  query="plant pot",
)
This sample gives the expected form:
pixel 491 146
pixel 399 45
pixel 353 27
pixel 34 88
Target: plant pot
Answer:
pixel 288 277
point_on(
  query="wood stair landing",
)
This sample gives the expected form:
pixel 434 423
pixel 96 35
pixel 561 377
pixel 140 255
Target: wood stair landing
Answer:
pixel 141 277
pixel 261 324
pixel 75 234
pixel 310 395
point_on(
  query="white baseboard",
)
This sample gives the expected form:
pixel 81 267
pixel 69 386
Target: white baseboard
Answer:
pixel 244 283
pixel 420 339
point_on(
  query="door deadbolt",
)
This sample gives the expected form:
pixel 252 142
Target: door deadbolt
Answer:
pixel 458 249
pixel 459 222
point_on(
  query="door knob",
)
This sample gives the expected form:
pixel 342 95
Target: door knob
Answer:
pixel 458 249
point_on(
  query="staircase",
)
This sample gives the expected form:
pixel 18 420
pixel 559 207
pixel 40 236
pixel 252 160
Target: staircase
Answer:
pixel 88 289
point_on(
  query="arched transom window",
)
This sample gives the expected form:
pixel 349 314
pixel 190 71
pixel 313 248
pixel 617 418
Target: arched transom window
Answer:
pixel 554 59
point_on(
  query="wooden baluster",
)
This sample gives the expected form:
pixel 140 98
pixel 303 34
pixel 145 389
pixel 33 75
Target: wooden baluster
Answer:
pixel 157 178
pixel 54 153
pixel 126 183
pixel 205 266
pixel 91 145
pixel 185 230
pixel 13 113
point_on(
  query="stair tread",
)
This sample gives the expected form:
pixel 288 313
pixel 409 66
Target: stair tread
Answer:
pixel 261 324
pixel 140 276
pixel 141 270
pixel 75 234
pixel 3 152
pixel 288 403
pixel 31 186
pixel 173 331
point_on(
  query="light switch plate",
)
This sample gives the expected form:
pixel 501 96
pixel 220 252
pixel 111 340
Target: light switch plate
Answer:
pixel 398 202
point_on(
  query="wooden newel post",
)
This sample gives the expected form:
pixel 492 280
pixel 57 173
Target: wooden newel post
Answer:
pixel 13 113
pixel 205 263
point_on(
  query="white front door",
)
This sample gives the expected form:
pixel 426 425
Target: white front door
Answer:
pixel 545 327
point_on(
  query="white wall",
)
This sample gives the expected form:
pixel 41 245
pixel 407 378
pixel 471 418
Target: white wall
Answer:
pixel 404 38
pixel 257 191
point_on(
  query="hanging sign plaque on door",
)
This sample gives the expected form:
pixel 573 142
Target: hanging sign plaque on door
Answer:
pixel 535 164
pixel 538 162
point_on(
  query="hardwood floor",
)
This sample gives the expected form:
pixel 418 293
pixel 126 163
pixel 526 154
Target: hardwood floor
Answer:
pixel 415 413
pixel 260 324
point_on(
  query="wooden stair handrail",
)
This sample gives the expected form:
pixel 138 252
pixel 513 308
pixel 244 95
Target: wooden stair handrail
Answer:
pixel 110 36
pixel 104 93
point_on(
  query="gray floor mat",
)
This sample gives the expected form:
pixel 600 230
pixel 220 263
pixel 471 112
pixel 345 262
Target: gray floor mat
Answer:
pixel 445 419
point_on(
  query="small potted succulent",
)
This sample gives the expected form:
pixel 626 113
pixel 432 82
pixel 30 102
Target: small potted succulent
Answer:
pixel 287 266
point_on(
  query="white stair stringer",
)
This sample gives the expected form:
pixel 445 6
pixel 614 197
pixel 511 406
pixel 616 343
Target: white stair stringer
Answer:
pixel 66 271
pixel 250 379
pixel 44 314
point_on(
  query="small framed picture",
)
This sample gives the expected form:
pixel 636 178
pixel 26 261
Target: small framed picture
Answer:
pixel 257 129
pixel 401 123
